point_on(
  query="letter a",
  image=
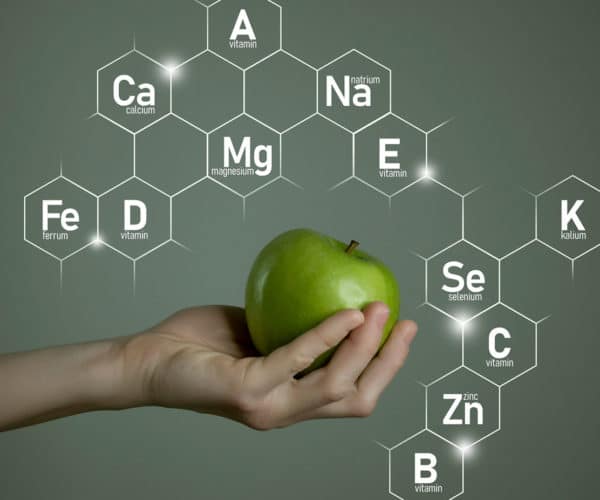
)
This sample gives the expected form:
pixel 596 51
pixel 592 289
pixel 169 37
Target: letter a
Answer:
pixel 242 26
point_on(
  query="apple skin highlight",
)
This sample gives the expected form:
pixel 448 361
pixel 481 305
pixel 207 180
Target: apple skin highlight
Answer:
pixel 302 277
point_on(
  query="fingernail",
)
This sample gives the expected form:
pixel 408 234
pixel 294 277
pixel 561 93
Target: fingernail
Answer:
pixel 410 334
pixel 358 317
pixel 382 317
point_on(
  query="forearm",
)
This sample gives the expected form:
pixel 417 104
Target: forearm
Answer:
pixel 45 384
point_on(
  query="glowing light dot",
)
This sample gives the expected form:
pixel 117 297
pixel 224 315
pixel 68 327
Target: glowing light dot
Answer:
pixel 171 67
pixel 467 450
pixel 426 173
pixel 462 320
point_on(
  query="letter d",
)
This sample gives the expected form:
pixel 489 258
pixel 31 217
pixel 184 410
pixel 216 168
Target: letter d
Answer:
pixel 142 215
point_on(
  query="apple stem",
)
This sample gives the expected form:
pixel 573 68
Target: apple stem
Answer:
pixel 351 246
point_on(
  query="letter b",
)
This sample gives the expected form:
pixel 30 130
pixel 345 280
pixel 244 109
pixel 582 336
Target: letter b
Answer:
pixel 425 472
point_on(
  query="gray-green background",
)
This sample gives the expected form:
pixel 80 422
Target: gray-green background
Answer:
pixel 521 80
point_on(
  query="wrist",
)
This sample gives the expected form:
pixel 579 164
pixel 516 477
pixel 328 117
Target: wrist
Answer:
pixel 134 361
pixel 111 376
pixel 59 381
pixel 102 382
pixel 56 382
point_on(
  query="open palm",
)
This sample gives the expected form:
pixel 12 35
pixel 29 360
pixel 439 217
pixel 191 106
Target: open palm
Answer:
pixel 202 359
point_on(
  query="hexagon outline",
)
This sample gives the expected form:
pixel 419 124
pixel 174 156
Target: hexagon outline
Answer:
pixel 548 245
pixel 461 320
pixel 425 177
pixel 362 54
pixel 280 44
pixel 364 128
pixel 289 54
pixel 52 181
pixel 517 250
pixel 219 56
pixel 257 189
pixel 410 438
pixel 536 324
pixel 475 189
pixel 184 188
pixel 134 50
pixel 197 181
pixel 476 247
pixel 498 392
pixel 535 352
pixel 158 245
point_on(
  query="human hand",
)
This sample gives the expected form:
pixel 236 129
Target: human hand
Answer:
pixel 202 359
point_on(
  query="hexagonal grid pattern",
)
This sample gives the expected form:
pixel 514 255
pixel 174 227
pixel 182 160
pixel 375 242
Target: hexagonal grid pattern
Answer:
pixel 421 174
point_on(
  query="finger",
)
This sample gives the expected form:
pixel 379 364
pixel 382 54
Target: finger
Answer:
pixel 337 379
pixel 373 381
pixel 356 351
pixel 286 361
pixel 390 359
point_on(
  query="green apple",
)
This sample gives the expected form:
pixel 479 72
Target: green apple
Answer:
pixel 302 277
